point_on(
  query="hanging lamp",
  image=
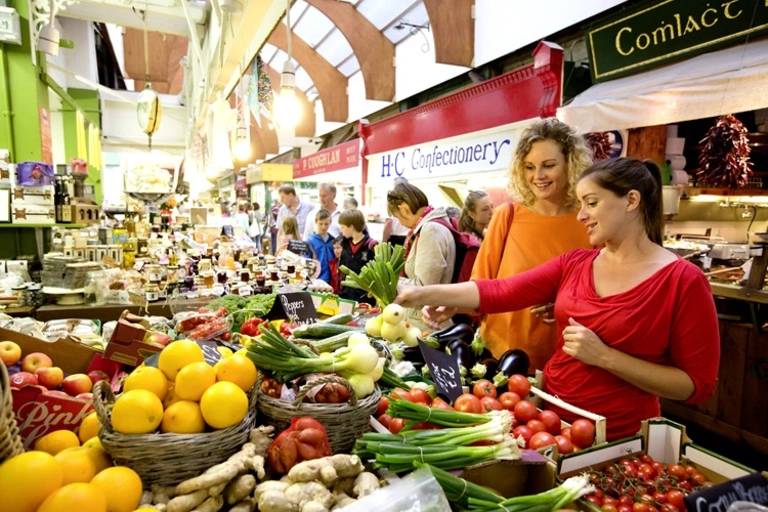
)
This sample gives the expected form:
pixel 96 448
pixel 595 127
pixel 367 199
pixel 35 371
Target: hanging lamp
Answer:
pixel 287 109
pixel 149 111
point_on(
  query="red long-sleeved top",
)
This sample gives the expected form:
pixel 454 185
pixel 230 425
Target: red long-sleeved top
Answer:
pixel 667 319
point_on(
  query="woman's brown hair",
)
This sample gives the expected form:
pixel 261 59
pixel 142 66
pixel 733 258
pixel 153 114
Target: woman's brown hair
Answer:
pixel 408 194
pixel 621 175
pixel 466 222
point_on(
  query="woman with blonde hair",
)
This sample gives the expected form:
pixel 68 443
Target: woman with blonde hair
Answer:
pixel 476 214
pixel 539 225
pixel 289 230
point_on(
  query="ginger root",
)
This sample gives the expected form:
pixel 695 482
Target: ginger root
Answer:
pixel 344 486
pixel 365 484
pixel 212 504
pixel 247 505
pixel 342 500
pixel 187 502
pixel 239 489
pixel 314 506
pixel 276 501
pixel 303 492
pixel 327 469
pixel 220 473
pixel 146 498
pixel 270 485
pixel 162 494
pixel 261 438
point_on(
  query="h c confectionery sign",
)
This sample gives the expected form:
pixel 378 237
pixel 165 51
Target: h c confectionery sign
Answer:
pixel 657 32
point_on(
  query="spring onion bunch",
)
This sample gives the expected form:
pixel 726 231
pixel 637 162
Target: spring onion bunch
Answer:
pixel 458 490
pixel 287 361
pixel 379 277
pixel 494 431
pixel 401 408
pixel 548 501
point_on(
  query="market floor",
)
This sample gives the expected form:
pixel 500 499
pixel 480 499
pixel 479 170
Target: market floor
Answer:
pixel 738 451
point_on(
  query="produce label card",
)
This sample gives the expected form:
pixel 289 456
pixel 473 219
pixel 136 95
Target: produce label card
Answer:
pixel 751 488
pixel 295 307
pixel 210 351
pixel 444 370
pixel 298 247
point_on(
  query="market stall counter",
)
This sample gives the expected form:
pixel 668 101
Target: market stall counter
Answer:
pixel 108 313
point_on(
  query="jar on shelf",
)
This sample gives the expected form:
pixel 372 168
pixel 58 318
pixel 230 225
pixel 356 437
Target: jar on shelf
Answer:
pixel 173 273
pixel 152 292
pixel 20 293
pixel 208 279
pixel 154 273
pixel 33 296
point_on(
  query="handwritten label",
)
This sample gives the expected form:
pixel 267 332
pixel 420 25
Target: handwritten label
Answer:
pixel 296 307
pixel 210 353
pixel 444 370
pixel 298 247
pixel 138 299
pixel 751 488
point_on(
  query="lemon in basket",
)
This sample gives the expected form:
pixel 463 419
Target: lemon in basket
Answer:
pixel 137 412
pixel 27 479
pixel 224 404
pixel 77 465
pixel 237 369
pixel 121 486
pixel 177 355
pixel 183 417
pixel 89 428
pixel 82 497
pixel 57 441
pixel 149 378
pixel 193 380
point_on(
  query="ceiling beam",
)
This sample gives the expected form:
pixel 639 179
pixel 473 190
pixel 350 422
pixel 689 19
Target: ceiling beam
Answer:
pixel 330 82
pixel 375 53
pixel 453 30
pixel 306 125
pixel 168 20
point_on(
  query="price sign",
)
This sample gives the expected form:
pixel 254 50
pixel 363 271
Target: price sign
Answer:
pixel 298 247
pixel 751 488
pixel 444 370
pixel 295 307
pixel 211 355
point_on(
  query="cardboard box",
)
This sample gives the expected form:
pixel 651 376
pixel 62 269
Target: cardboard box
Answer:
pixel 5 205
pixel 33 214
pixel 38 414
pixel 126 345
pixel 85 214
pixel 40 196
pixel 532 474
pixel 662 439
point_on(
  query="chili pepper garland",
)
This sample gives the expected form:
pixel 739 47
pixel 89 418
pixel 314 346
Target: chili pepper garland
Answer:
pixel 600 144
pixel 724 160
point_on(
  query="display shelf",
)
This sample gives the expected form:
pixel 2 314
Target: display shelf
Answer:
pixel 697 191
pixel 739 292
pixel 65 226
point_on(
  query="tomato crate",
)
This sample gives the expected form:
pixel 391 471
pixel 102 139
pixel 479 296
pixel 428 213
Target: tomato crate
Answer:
pixel 665 441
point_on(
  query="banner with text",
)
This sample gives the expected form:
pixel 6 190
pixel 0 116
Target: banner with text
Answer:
pixel 475 152
pixel 337 158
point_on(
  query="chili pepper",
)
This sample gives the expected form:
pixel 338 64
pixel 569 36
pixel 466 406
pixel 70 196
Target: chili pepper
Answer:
pixel 251 327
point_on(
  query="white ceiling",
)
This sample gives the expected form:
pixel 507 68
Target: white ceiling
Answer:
pixel 320 33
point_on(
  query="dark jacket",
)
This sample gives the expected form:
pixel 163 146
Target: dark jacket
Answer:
pixel 355 257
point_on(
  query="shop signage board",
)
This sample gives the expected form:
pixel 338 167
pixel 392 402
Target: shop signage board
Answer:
pixel 476 152
pixel 655 33
pixel 45 136
pixel 337 158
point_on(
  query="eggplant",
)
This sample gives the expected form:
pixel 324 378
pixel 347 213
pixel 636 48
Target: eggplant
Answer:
pixel 513 362
pixel 479 350
pixel 413 354
pixel 461 352
pixel 491 365
pixel 459 331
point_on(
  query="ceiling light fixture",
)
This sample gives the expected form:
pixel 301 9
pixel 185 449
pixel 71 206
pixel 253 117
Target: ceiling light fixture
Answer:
pixel 415 29
pixel 287 111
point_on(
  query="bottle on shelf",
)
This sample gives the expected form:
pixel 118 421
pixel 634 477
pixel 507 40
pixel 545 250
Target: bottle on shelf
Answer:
pixel 66 201
pixel 57 198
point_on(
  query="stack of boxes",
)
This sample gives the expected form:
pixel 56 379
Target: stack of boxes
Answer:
pixel 33 194
pixel 5 185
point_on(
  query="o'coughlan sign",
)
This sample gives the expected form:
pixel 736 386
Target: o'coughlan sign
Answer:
pixel 337 158
pixel 657 32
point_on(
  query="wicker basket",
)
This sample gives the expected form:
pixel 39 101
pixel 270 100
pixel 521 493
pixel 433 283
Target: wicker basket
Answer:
pixel 343 423
pixel 167 459
pixel 10 441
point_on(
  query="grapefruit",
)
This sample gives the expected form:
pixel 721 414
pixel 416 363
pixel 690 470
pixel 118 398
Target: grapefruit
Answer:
pixel 193 380
pixel 177 355
pixel 237 369
pixel 77 465
pixel 183 417
pixel 137 412
pixel 121 486
pixel 148 378
pixel 89 428
pixel 55 442
pixel 27 479
pixel 80 497
pixel 224 404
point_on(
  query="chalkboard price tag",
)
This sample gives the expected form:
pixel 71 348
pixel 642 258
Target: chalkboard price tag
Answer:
pixel 210 354
pixel 444 370
pixel 295 307
pixel 751 488
pixel 298 247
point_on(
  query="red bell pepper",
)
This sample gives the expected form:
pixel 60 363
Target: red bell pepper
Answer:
pixel 305 439
pixel 286 328
pixel 251 327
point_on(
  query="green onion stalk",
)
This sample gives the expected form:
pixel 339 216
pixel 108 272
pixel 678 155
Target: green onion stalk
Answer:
pixel 390 379
pixel 401 408
pixel 287 361
pixel 494 431
pixel 548 501
pixel 458 490
pixel 398 457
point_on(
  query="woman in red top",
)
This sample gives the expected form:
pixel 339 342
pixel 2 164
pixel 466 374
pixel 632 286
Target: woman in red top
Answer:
pixel 636 321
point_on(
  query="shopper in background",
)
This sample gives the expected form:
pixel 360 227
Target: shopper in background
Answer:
pixel 430 248
pixel 635 322
pixel 476 214
pixel 357 249
pixel 274 227
pixel 256 227
pixel 293 206
pixel 452 212
pixel 242 219
pixel 350 203
pixel 321 243
pixel 538 226
pixel 289 230
pixel 335 263
pixel 327 193
pixel 394 232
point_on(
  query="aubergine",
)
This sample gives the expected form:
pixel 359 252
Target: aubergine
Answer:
pixel 461 352
pixel 458 331
pixel 479 350
pixel 413 354
pixel 491 365
pixel 513 362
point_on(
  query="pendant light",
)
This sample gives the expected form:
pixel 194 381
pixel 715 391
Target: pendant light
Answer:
pixel 149 111
pixel 287 111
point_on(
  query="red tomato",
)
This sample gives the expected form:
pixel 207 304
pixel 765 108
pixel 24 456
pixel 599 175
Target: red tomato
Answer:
pixel 550 420
pixel 594 499
pixel 625 508
pixel 689 470
pixel 610 500
pixel 525 411
pixel 385 419
pixel 582 433
pixel 669 508
pixel 536 426
pixel 685 485
pixel 519 384
pixel 626 500
pixel 607 507
pixel 468 403
pixel 676 498
pixel 699 478
pixel 382 408
pixel 658 467
pixel 566 432
pixel 677 471
pixel 490 404
pixel 396 425
pixel 646 458
pixel 439 403
pixel 564 445
pixel 640 507
pixel 483 388
pixel 646 471
pixel 508 400
pixel 420 396
pixel 524 431
pixel 541 439
pixel 660 497
pixel 405 395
